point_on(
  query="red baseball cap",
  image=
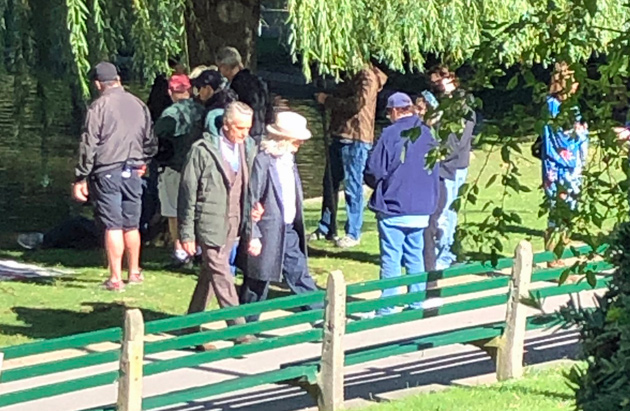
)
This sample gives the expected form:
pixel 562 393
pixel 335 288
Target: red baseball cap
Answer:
pixel 179 83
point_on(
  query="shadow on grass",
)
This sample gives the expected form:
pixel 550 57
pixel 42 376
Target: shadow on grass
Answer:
pixel 43 323
pixel 352 255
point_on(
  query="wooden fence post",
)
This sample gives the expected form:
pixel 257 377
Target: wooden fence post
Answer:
pixel 131 361
pixel 331 379
pixel 510 352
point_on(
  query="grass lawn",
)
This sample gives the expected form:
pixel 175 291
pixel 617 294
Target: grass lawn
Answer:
pixel 544 390
pixel 74 303
pixel 39 198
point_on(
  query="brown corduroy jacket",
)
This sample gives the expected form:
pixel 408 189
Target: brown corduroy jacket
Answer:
pixel 353 106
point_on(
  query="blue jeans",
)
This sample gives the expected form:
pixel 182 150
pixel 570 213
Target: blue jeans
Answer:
pixel 233 259
pixel 400 246
pixel 346 163
pixel 447 222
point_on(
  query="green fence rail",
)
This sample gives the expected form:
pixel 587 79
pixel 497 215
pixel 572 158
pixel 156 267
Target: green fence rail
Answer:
pixel 306 371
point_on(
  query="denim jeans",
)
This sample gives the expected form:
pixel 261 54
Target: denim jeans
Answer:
pixel 400 246
pixel 233 259
pixel 447 221
pixel 346 163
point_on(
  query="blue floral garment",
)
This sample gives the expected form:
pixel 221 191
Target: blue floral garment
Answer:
pixel 564 155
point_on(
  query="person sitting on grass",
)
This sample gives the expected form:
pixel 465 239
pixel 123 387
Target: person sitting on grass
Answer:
pixel 405 193
pixel 277 239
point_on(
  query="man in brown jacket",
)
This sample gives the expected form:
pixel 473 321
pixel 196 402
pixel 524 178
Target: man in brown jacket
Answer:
pixel 353 108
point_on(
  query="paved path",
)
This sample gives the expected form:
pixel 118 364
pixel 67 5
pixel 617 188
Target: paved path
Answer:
pixel 433 368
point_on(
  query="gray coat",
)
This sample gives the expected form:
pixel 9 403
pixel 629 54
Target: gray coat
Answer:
pixel 265 188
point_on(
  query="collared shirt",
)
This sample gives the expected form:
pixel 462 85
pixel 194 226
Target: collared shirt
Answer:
pixel 230 152
pixel 285 167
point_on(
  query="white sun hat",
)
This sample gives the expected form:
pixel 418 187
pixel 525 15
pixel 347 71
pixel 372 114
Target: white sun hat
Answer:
pixel 289 125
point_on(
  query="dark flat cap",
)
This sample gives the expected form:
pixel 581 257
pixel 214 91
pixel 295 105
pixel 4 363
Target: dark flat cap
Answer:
pixel 104 71
pixel 210 78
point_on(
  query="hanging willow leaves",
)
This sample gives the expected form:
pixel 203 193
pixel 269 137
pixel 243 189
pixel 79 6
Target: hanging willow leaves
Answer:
pixel 77 26
pixel 338 35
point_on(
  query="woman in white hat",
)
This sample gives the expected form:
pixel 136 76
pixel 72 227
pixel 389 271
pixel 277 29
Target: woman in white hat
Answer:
pixel 277 240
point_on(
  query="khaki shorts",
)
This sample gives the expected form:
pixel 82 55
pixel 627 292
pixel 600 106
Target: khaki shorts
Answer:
pixel 168 187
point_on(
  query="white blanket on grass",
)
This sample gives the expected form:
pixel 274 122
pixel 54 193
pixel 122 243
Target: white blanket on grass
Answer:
pixel 13 270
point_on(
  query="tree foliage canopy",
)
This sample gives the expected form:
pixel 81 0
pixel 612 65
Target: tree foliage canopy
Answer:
pixel 340 35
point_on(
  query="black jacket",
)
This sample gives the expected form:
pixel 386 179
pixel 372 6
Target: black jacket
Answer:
pixel 117 130
pixel 252 90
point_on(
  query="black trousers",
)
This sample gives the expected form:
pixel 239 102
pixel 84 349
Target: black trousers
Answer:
pixel 432 233
pixel 294 271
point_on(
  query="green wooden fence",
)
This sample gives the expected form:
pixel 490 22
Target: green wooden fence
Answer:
pixel 342 317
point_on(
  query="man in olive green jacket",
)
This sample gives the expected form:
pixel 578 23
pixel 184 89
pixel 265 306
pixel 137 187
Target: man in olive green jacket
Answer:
pixel 213 203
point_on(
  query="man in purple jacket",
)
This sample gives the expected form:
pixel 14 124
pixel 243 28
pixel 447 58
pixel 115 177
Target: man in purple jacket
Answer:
pixel 405 193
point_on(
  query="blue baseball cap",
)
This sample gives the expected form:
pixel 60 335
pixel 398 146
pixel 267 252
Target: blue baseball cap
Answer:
pixel 430 99
pixel 399 100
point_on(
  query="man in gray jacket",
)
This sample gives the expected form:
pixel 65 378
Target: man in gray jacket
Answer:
pixel 116 142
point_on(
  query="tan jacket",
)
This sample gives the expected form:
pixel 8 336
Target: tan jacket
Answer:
pixel 353 106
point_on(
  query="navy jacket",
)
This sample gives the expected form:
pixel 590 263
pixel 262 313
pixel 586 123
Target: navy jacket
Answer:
pixel 402 187
pixel 265 189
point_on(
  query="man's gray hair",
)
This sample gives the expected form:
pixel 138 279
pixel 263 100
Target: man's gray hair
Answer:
pixel 230 57
pixel 236 109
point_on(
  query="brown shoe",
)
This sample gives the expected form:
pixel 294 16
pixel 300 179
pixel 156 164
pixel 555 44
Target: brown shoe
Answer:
pixel 205 347
pixel 246 339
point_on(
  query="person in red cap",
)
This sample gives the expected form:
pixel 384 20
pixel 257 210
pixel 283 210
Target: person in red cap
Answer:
pixel 116 144
pixel 179 126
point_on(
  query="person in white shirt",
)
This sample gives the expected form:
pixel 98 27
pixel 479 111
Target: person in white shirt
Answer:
pixel 277 238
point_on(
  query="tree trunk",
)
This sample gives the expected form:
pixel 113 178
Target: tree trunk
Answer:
pixel 213 24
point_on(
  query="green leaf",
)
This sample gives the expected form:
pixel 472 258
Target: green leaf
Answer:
pixel 563 277
pixel 491 180
pixel 403 153
pixel 512 83
pixel 533 301
pixel 412 134
pixel 591 6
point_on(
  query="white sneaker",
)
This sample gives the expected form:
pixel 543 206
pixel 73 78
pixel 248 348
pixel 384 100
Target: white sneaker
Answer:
pixel 347 242
pixel 364 316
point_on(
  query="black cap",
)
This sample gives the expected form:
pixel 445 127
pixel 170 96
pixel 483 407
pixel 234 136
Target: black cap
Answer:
pixel 104 71
pixel 210 78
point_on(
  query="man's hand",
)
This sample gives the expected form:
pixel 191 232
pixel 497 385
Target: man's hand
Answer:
pixel 321 97
pixel 257 212
pixel 190 247
pixel 255 247
pixel 80 191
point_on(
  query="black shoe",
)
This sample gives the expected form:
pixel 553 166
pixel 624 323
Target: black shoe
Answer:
pixel 318 235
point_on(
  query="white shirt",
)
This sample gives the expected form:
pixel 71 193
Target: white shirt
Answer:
pixel 230 152
pixel 285 167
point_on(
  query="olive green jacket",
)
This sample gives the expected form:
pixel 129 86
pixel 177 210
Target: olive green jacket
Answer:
pixel 202 203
